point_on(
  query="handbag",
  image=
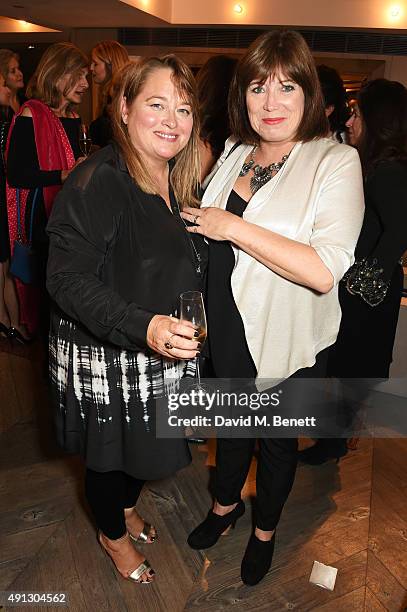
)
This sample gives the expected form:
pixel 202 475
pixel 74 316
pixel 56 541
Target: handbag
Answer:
pixel 25 263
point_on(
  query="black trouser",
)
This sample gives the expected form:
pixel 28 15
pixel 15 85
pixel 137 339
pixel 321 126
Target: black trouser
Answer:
pixel 108 493
pixel 276 465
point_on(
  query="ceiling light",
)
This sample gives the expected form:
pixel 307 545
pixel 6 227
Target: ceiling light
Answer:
pixel 395 11
pixel 238 8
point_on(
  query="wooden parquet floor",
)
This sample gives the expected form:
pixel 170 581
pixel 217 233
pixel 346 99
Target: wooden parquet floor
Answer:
pixel 352 515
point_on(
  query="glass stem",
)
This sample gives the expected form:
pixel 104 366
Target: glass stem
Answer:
pixel 198 372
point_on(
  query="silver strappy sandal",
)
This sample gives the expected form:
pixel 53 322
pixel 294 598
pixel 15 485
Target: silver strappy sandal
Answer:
pixel 139 571
pixel 145 534
pixel 135 575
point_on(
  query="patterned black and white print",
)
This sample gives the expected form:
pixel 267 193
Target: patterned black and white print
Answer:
pixel 105 403
pixel 96 371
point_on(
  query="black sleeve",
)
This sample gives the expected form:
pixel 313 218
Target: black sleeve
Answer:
pixel 388 190
pixel 83 228
pixel 370 277
pixel 23 168
pixel 100 130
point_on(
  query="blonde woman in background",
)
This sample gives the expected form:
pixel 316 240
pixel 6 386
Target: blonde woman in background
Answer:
pixel 13 77
pixel 11 82
pixel 107 58
pixel 42 149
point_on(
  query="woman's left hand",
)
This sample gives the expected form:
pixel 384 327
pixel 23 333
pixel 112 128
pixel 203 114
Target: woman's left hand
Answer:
pixel 211 222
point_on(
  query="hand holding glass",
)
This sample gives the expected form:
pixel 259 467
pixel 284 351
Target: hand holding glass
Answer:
pixel 85 141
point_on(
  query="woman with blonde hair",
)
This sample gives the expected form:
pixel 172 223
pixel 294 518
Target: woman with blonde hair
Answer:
pixel 11 84
pixel 107 58
pixel 120 256
pixel 13 77
pixel 42 149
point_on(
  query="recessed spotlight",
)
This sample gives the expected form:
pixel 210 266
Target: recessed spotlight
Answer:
pixel 395 11
pixel 31 47
pixel 238 8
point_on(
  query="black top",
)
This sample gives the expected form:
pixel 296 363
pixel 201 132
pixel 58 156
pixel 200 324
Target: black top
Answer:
pixel 6 116
pixel 384 231
pixel 370 312
pixel 117 255
pixel 229 352
pixel 100 130
pixel 23 169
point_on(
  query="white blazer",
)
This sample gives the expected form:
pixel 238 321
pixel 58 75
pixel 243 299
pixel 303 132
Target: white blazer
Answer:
pixel 317 199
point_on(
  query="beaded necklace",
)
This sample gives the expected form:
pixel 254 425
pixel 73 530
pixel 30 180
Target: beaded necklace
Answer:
pixel 261 174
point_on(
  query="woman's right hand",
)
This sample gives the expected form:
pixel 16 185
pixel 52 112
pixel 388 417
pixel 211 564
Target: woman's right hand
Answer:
pixel 178 334
pixel 66 173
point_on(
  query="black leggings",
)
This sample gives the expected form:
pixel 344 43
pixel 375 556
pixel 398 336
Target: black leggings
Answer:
pixel 108 493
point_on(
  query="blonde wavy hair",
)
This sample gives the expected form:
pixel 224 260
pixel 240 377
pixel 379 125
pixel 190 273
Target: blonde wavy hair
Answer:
pixel 6 55
pixel 59 60
pixel 185 173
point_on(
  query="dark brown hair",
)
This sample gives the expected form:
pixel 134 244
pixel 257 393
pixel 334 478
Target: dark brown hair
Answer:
pixel 58 60
pixel 334 94
pixel 383 109
pixel 213 82
pixel 129 83
pixel 275 52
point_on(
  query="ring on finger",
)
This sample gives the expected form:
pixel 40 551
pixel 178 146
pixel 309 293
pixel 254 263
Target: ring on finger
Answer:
pixel 168 345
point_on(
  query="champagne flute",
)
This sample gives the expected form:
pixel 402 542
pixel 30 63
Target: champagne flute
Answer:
pixel 192 309
pixel 85 141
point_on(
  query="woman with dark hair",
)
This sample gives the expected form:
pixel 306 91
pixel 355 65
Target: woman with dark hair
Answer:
pixel 119 258
pixel 370 292
pixel 334 93
pixel 43 147
pixel 213 82
pixel 283 213
pixel 107 58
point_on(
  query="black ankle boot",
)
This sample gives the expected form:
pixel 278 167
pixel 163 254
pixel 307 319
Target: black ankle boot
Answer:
pixel 324 450
pixel 210 530
pixel 257 559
